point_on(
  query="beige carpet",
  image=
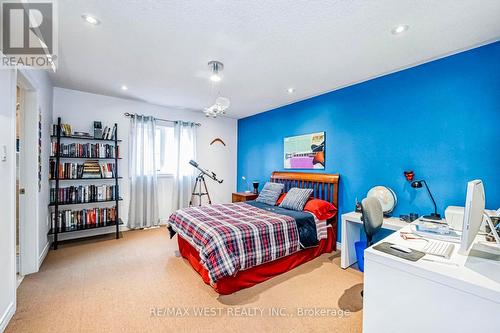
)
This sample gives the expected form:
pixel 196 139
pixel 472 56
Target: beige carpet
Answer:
pixel 108 285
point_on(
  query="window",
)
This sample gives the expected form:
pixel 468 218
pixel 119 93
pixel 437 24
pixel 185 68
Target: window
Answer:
pixel 166 147
pixel 165 150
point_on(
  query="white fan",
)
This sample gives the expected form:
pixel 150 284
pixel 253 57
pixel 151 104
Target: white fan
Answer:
pixel 386 196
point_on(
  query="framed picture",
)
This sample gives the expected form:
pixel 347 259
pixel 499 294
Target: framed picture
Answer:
pixel 305 151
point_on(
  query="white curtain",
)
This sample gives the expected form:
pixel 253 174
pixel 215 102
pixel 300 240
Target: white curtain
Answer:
pixel 143 209
pixel 184 174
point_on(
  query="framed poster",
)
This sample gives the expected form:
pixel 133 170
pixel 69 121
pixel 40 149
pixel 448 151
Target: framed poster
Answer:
pixel 305 151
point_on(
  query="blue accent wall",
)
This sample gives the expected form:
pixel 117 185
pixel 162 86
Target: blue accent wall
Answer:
pixel 440 119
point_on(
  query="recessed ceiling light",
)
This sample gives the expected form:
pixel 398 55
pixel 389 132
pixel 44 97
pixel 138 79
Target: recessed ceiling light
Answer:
pixel 399 29
pixel 290 90
pixel 124 87
pixel 91 19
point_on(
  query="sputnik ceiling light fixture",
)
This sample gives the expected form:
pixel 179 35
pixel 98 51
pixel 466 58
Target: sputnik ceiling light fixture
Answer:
pixel 221 103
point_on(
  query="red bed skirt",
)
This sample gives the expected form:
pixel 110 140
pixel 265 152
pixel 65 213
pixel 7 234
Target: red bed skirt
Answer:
pixel 252 276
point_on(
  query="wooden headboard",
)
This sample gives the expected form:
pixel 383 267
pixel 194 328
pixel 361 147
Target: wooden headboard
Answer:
pixel 325 185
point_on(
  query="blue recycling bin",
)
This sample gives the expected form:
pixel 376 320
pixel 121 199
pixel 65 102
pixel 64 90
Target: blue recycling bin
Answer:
pixel 360 254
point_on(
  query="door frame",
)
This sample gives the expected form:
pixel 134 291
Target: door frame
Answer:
pixel 28 159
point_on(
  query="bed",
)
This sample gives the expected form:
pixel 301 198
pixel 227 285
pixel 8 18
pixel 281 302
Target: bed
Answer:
pixel 236 246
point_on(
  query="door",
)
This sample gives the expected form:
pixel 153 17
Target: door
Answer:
pixel 27 182
pixel 19 190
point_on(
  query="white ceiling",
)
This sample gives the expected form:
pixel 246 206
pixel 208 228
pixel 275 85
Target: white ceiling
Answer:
pixel 160 49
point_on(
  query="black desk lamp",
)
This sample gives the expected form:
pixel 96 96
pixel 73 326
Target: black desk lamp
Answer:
pixel 432 216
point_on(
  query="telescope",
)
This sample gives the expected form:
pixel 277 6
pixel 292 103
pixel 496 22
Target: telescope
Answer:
pixel 205 172
pixel 198 190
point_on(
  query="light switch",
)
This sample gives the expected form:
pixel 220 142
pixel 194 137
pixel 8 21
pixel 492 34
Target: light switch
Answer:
pixel 3 156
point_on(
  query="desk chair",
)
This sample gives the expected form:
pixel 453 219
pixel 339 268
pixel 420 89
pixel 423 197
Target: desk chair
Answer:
pixel 372 217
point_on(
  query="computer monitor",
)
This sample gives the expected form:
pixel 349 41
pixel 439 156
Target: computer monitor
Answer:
pixel 473 215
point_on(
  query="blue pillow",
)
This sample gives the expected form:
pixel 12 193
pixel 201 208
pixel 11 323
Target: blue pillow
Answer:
pixel 270 193
pixel 296 198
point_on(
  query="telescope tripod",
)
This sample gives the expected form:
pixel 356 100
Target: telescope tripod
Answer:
pixel 199 181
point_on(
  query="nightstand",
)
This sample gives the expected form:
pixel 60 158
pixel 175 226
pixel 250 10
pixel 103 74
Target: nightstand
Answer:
pixel 241 196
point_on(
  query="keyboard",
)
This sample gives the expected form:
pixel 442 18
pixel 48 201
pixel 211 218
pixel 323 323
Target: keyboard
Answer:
pixel 440 249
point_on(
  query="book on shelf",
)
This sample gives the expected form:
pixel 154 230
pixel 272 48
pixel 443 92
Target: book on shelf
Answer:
pixel 90 169
pixel 97 150
pixel 72 220
pixel 107 170
pixel 66 130
pixel 83 135
pixel 108 133
pixel 83 194
pixel 66 170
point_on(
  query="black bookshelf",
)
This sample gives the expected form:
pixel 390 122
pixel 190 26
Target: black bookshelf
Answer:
pixel 56 204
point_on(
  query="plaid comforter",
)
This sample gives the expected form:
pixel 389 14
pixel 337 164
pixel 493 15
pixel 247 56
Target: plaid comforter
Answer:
pixel 236 236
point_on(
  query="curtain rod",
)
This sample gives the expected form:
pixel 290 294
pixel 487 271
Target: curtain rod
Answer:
pixel 160 119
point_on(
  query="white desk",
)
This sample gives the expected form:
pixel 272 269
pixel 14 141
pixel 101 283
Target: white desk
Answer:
pixel 351 227
pixel 423 296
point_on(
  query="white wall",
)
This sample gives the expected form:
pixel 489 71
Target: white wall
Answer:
pixel 7 197
pixel 80 109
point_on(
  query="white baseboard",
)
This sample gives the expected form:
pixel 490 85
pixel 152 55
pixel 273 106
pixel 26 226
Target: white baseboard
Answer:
pixel 19 279
pixel 7 316
pixel 43 255
pixel 124 228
